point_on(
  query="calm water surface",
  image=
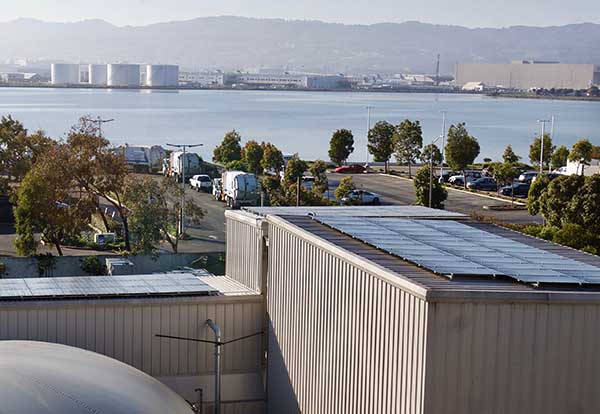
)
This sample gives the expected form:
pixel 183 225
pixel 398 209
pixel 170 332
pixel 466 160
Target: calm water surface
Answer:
pixel 299 122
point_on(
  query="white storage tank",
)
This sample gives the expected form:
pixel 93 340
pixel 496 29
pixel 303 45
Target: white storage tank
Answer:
pixel 162 75
pixel 64 74
pixel 97 74
pixel 123 75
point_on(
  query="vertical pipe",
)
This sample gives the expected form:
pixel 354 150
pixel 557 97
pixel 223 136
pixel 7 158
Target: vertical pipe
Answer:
pixel 217 331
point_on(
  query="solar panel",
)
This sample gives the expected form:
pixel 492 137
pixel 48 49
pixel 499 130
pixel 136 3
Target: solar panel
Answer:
pixel 452 248
pixel 100 286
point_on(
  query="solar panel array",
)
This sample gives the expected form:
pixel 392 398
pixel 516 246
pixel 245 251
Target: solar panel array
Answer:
pixel 452 248
pixel 103 286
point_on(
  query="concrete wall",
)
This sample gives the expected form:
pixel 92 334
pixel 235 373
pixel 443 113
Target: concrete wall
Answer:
pixel 526 76
pixel 25 267
pixel 343 338
pixel 519 358
pixel 126 329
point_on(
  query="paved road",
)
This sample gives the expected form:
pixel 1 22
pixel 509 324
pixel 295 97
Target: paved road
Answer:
pixel 401 191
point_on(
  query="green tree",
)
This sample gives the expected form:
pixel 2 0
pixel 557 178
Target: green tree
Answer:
pixel 341 146
pixel 272 158
pixel 294 170
pixel 461 148
pixel 431 153
pixel 596 152
pixel 45 202
pixel 535 150
pixel 237 165
pixel 345 187
pixel 538 187
pixel 556 201
pixel 252 155
pixel 156 212
pixel 559 157
pixel 408 140
pixel 318 170
pixel 381 142
pixel 230 148
pixel 509 155
pixel 504 173
pixel 586 204
pixel 438 192
pixel 581 153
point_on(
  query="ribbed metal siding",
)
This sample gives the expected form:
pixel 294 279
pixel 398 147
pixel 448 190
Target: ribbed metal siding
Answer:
pixel 127 332
pixel 513 358
pixel 244 253
pixel 342 340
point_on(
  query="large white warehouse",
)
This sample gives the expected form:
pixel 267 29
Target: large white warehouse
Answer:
pixel 64 74
pixel 97 74
pixel 162 75
pixel 123 75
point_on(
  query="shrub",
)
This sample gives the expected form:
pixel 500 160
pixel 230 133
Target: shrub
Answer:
pixel 93 266
pixel 438 192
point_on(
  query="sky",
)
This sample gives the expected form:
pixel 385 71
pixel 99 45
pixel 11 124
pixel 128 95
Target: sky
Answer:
pixel 470 13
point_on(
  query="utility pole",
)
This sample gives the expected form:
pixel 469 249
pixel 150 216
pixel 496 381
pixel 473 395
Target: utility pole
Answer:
pixel 369 108
pixel 98 122
pixel 543 122
pixel 183 160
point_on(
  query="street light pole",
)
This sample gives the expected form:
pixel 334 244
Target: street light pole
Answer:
pixel 369 108
pixel 183 160
pixel 443 142
pixel 551 136
pixel 543 122
pixel 98 121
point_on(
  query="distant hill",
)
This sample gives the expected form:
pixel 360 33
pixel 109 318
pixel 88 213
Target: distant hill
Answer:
pixel 237 42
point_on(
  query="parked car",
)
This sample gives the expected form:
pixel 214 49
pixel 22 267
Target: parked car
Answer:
pixel 483 183
pixel 527 177
pixel 201 182
pixel 361 197
pixel 472 175
pixel 519 190
pixel 446 176
pixel 551 176
pixel 350 169
pixel 561 171
pixel 217 189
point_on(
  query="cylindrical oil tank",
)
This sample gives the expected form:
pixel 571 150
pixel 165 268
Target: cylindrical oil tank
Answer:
pixel 64 74
pixel 123 75
pixel 162 75
pixel 97 74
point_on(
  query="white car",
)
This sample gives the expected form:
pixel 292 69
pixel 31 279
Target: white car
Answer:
pixel 361 197
pixel 201 182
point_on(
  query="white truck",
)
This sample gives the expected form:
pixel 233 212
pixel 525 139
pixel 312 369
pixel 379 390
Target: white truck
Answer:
pixel 201 182
pixel 175 165
pixel 240 189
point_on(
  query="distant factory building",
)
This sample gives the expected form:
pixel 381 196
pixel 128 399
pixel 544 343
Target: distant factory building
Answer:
pixel 286 80
pixel 64 74
pixel 162 75
pixel 123 75
pixel 17 77
pixel 524 75
pixel 202 78
pixel 97 74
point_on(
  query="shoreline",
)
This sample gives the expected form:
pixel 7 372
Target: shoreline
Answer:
pixel 545 97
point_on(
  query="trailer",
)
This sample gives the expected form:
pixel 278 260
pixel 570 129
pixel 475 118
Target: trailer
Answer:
pixel 240 189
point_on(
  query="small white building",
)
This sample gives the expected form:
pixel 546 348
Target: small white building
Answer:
pixel 575 167
pixel 474 87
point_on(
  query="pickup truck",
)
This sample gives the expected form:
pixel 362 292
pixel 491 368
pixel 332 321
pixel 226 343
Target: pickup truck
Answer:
pixel 201 182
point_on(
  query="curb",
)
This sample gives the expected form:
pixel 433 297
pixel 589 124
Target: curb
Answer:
pixel 517 203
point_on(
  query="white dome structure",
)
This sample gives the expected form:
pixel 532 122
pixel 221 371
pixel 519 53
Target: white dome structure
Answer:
pixel 41 377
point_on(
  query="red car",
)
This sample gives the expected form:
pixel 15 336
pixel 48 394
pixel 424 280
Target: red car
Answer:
pixel 350 169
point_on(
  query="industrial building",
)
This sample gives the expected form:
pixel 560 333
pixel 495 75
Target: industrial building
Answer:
pixel 123 75
pixel 64 74
pixel 525 75
pixel 162 75
pixel 286 80
pixel 121 316
pixel 202 78
pixel 411 310
pixel 97 74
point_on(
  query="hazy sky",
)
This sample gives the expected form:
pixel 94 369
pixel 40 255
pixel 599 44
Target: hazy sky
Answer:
pixel 472 13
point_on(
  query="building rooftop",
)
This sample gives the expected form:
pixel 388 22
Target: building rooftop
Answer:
pixel 423 278
pixel 358 211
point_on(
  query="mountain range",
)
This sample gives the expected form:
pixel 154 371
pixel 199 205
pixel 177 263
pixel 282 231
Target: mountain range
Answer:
pixel 231 43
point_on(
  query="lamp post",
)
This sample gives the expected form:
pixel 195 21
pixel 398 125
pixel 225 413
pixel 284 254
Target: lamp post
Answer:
pixel 431 168
pixel 98 122
pixel 443 142
pixel 183 160
pixel 369 109
pixel 543 122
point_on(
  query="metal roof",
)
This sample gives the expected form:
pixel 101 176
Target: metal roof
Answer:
pixel 452 248
pixel 82 287
pixel 357 211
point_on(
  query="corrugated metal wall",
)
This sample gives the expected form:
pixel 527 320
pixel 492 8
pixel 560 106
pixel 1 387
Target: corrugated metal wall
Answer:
pixel 244 249
pixel 126 329
pixel 497 358
pixel 342 340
